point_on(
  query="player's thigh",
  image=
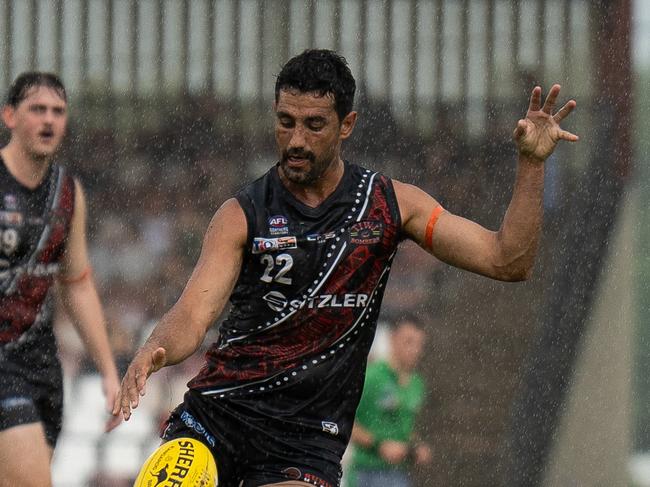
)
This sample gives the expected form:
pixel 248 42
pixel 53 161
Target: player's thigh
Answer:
pixel 25 457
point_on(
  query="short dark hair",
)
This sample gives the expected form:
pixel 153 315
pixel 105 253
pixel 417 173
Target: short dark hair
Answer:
pixel 321 71
pixel 24 82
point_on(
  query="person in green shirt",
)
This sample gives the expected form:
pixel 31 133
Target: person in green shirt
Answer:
pixel 383 434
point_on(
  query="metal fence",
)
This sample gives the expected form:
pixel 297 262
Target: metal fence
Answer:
pixel 423 57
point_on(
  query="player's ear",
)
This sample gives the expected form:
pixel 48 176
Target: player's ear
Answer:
pixel 347 125
pixel 8 118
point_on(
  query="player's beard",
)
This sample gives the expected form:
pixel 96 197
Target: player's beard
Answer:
pixel 304 176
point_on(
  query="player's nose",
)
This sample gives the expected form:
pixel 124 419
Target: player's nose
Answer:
pixel 297 140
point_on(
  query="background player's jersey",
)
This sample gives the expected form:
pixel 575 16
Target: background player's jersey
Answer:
pixel 306 303
pixel 34 225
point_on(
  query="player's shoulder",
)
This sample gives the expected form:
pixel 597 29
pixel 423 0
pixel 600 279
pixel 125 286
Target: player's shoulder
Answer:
pixel 228 223
pixel 61 174
pixel 362 176
pixel 361 170
pixel 58 168
pixel 230 210
pixel 65 186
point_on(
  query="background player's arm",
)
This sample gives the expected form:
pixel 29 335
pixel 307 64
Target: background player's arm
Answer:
pixel 181 331
pixel 79 295
pixel 392 451
pixel 507 254
pixel 362 437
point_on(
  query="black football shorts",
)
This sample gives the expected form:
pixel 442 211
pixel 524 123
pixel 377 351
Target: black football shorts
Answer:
pixel 251 448
pixel 32 396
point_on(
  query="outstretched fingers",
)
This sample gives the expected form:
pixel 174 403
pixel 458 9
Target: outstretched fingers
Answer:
pixel 564 111
pixel 113 421
pixel 549 103
pixel 134 382
pixel 535 99
pixel 129 394
pixel 565 135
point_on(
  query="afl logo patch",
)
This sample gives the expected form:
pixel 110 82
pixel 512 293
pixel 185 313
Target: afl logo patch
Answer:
pixel 366 232
pixel 278 225
pixel 11 202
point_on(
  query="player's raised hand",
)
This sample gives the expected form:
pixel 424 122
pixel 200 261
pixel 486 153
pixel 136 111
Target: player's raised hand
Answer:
pixel 538 133
pixel 145 363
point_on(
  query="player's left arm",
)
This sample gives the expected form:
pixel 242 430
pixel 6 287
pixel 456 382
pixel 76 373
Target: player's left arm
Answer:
pixel 508 253
pixel 82 303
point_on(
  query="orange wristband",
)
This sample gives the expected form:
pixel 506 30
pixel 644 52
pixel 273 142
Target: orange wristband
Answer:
pixel 79 278
pixel 428 234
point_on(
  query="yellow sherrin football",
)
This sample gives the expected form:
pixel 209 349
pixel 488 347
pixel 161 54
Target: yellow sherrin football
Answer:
pixel 183 462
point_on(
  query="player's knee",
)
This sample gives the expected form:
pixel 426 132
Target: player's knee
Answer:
pixel 182 462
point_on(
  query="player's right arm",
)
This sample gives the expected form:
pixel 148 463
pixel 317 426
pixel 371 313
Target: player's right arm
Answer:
pixel 507 254
pixel 181 330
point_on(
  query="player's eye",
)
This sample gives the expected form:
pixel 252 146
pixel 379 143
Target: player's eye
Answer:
pixel 286 122
pixel 316 125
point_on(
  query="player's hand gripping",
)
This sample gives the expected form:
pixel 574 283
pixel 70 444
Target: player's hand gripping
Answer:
pixel 538 133
pixel 145 363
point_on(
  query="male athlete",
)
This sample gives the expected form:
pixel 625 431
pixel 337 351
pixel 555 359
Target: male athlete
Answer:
pixel 303 254
pixel 42 237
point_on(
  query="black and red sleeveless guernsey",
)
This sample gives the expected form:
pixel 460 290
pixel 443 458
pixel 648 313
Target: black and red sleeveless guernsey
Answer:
pixel 292 352
pixel 34 225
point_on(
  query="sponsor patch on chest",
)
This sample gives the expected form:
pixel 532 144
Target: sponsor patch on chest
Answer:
pixel 367 232
pixel 11 218
pixel 262 245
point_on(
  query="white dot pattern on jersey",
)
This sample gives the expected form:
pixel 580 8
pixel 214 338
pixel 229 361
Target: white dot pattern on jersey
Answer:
pixel 277 320
pixel 340 343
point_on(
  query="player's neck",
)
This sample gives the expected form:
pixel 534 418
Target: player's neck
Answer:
pixel 27 170
pixel 314 194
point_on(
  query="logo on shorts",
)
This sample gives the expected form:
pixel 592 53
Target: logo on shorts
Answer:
pixel 193 424
pixel 331 428
pixel 293 473
pixel 366 232
pixel 278 225
pixel 15 402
